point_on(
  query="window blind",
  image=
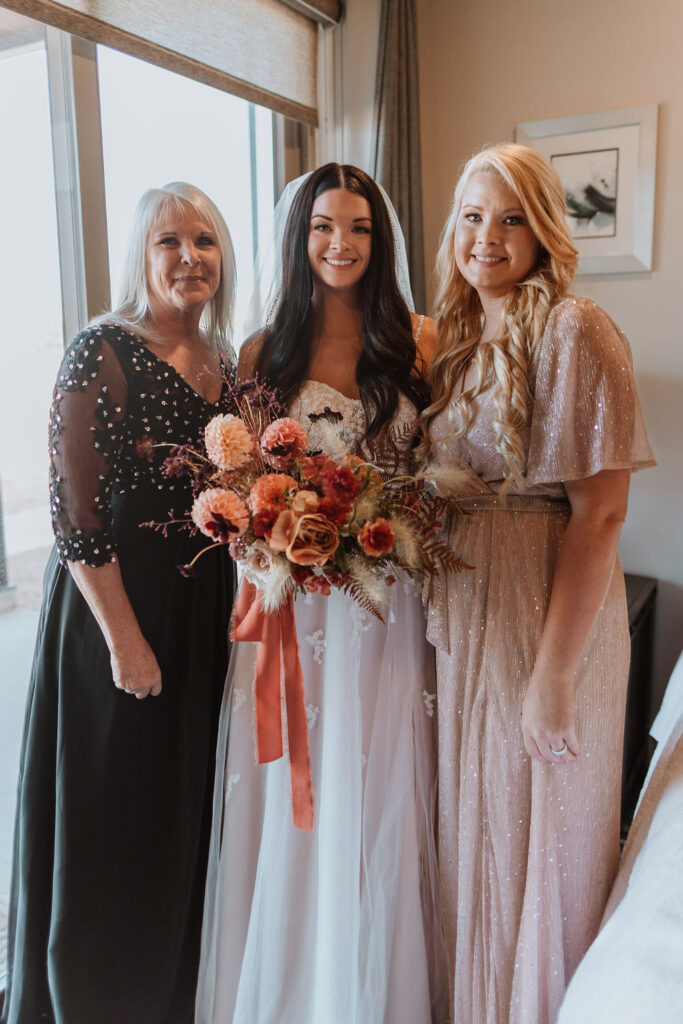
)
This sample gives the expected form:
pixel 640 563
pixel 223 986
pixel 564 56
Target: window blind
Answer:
pixel 262 50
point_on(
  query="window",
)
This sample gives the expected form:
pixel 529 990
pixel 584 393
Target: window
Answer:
pixel 159 127
pixel 31 349
pixel 156 127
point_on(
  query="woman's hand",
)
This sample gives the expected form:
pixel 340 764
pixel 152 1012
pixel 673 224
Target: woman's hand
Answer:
pixel 136 670
pixel 549 720
pixel 134 666
pixel 583 571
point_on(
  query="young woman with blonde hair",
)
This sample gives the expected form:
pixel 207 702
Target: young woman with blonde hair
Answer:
pixel 534 399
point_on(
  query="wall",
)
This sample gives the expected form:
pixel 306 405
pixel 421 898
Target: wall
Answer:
pixel 486 64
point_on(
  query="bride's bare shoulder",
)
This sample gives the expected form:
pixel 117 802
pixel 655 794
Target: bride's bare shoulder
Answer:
pixel 250 350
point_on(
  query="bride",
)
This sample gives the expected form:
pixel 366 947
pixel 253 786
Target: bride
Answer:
pixel 337 926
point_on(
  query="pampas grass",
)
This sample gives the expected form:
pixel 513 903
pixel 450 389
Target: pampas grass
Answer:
pixel 374 589
pixel 446 479
pixel 406 543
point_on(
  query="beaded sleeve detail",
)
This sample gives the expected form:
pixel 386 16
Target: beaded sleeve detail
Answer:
pixel 85 434
pixel 117 412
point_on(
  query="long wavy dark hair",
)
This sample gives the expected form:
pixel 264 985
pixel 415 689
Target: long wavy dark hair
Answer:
pixel 388 362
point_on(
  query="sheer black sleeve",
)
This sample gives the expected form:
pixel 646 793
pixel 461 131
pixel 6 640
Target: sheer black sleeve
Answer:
pixel 86 430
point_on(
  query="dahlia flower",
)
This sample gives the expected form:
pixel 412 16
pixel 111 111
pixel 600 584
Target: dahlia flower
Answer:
pixel 228 442
pixel 283 440
pixel 220 514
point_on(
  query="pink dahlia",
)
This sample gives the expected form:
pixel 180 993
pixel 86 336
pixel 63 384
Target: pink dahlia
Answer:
pixel 283 440
pixel 220 514
pixel 228 442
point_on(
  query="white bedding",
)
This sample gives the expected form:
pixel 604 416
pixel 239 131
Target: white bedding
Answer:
pixel 633 972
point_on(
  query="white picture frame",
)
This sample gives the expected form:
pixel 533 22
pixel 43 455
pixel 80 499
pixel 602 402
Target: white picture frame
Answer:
pixel 607 163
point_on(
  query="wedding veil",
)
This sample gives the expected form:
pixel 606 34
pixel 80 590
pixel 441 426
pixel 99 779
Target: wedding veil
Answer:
pixel 268 274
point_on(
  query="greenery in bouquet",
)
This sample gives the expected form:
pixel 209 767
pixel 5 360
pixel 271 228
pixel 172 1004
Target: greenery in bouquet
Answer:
pixel 301 520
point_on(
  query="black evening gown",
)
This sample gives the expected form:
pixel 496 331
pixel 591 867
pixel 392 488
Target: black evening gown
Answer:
pixel 114 800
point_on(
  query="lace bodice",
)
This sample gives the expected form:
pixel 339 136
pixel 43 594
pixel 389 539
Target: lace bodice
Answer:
pixel 116 409
pixel 315 399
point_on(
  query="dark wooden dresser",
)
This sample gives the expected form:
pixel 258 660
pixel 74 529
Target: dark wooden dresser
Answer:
pixel 641 597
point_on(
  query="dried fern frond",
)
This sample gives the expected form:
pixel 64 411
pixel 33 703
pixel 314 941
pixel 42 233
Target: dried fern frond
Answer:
pixel 391 452
pixel 438 556
pixel 364 575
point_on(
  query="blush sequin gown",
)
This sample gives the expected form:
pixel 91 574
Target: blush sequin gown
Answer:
pixel 337 926
pixel 528 851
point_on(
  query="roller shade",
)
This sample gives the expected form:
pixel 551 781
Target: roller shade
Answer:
pixel 327 12
pixel 262 50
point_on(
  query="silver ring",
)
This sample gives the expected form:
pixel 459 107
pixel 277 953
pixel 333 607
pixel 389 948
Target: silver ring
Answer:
pixel 563 750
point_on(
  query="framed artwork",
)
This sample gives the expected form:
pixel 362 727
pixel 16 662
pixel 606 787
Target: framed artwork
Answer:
pixel 606 162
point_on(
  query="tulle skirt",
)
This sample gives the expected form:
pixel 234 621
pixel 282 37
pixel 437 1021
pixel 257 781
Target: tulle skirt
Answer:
pixel 340 926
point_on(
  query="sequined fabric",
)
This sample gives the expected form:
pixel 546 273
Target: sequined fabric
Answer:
pixel 114 795
pixel 133 406
pixel 528 851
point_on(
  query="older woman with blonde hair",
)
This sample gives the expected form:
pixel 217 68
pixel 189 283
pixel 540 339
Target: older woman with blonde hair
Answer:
pixel 534 403
pixel 114 801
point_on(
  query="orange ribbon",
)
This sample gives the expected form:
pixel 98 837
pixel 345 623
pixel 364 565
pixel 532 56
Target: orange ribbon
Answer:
pixel 275 633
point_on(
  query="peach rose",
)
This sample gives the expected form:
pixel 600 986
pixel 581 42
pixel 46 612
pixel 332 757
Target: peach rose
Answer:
pixel 376 537
pixel 283 440
pixel 220 514
pixel 310 539
pixel 305 501
pixel 228 442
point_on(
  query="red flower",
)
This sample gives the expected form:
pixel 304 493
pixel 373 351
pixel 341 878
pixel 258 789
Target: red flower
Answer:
pixel 376 537
pixel 338 578
pixel 144 446
pixel 262 523
pixel 314 467
pixel 318 585
pixel 301 573
pixel 341 486
pixel 337 514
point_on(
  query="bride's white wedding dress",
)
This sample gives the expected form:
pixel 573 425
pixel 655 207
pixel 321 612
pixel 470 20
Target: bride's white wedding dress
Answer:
pixel 337 926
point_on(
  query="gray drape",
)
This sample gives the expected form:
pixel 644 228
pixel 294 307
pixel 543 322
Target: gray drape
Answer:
pixel 396 145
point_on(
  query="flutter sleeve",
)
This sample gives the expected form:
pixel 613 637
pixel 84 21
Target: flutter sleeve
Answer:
pixel 586 415
pixel 86 430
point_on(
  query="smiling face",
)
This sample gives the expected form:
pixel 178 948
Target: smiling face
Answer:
pixel 340 238
pixel 494 246
pixel 183 263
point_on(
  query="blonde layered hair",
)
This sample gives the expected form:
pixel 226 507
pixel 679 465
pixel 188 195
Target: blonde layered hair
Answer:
pixel 503 361
pixel 133 309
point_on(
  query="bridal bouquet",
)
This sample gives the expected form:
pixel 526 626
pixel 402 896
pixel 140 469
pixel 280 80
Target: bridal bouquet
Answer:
pixel 298 520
